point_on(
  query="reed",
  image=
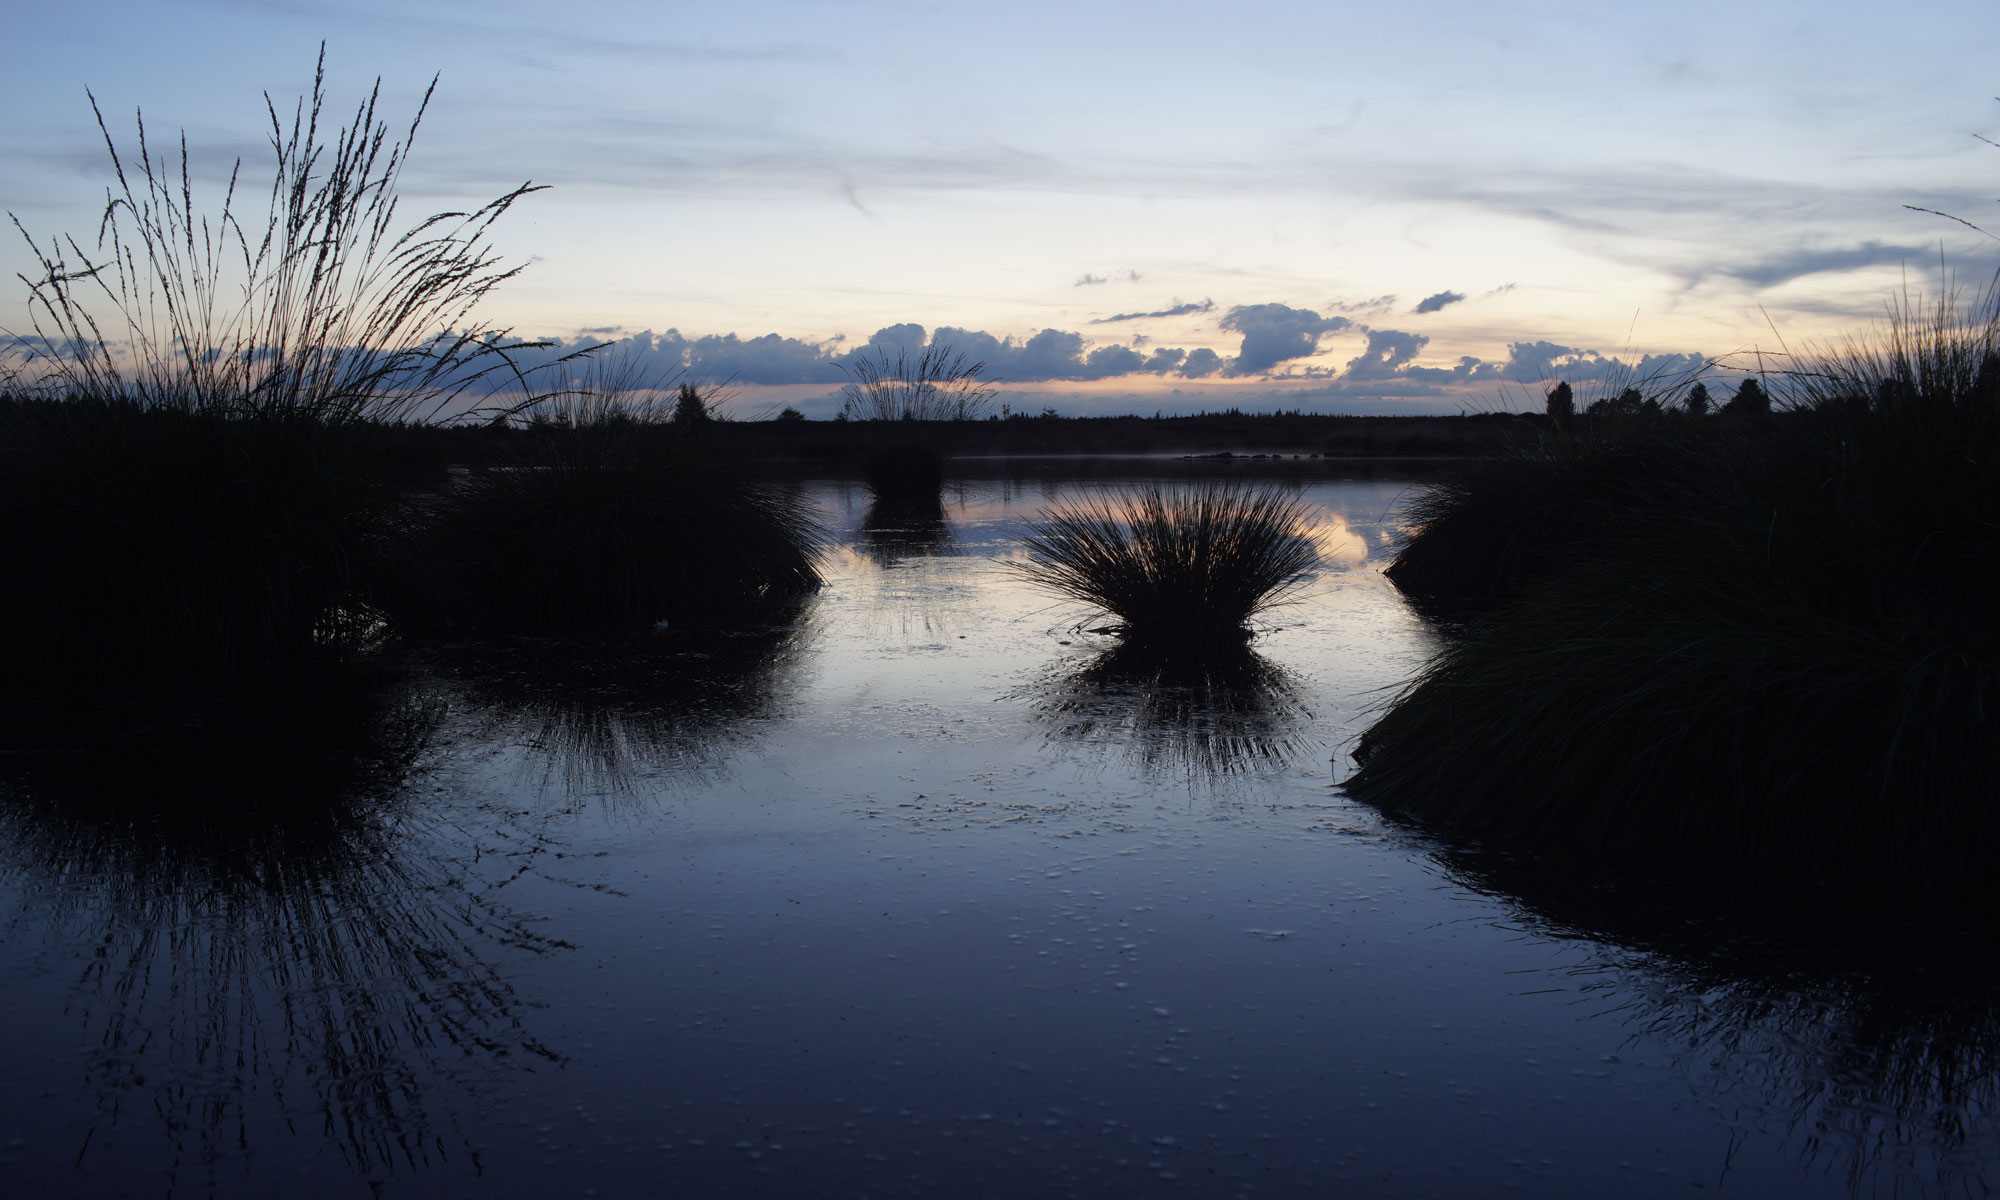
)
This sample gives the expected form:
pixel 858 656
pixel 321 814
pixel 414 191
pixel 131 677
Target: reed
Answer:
pixel 1182 568
pixel 898 397
pixel 333 311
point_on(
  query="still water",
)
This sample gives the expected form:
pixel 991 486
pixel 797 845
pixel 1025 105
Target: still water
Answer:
pixel 921 892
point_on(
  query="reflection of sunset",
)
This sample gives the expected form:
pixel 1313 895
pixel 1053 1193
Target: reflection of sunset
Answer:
pixel 1338 544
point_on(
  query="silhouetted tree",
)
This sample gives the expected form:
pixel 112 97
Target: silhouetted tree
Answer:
pixel 1749 399
pixel 689 407
pixel 1696 401
pixel 788 413
pixel 1562 404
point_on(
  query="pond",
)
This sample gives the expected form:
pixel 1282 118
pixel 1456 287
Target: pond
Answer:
pixel 921 892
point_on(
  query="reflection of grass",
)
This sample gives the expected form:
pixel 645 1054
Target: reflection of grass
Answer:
pixel 1777 656
pixel 892 532
pixel 599 713
pixel 1873 1045
pixel 268 941
pixel 1200 718
pixel 1183 568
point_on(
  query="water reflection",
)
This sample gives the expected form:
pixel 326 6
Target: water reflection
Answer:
pixel 269 952
pixel 595 716
pixel 1201 718
pixel 894 531
pixel 1871 1046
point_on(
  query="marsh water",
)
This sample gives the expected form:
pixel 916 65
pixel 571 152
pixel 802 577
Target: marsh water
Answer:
pixel 924 890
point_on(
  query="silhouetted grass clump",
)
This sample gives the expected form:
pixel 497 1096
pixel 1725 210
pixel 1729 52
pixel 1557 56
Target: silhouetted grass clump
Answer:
pixel 1774 654
pixel 187 492
pixel 901 397
pixel 603 520
pixel 1184 568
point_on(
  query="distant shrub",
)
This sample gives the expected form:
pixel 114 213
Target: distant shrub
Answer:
pixel 1183 568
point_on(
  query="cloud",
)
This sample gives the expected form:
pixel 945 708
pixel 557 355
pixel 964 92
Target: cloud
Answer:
pixel 1274 333
pixel 1388 352
pixel 1178 310
pixel 1431 304
pixel 1373 306
pixel 1087 280
pixel 1201 363
pixel 1542 362
pixel 1783 268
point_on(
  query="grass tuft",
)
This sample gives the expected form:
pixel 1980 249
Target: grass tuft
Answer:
pixel 1182 568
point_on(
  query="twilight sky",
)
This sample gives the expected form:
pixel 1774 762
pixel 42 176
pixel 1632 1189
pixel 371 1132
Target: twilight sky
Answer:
pixel 1121 207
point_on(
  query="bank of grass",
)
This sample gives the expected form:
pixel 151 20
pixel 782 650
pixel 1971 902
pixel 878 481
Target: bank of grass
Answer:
pixel 206 502
pixel 1489 527
pixel 1181 568
pixel 605 519
pixel 1773 654
pixel 148 551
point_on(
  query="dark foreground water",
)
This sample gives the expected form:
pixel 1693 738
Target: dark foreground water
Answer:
pixel 919 894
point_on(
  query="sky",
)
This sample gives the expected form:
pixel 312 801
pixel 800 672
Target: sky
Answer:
pixel 1334 206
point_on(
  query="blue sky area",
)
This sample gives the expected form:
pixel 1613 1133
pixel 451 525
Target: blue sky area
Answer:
pixel 1120 207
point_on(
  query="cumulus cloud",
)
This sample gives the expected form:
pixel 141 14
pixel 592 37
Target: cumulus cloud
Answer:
pixel 1274 333
pixel 1540 362
pixel 1388 352
pixel 1177 310
pixel 1431 304
pixel 1201 363
pixel 1387 365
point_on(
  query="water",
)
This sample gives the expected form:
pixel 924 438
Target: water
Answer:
pixel 920 893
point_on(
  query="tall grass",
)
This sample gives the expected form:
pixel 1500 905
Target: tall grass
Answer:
pixel 1186 567
pixel 898 396
pixel 1779 657
pixel 333 311
pixel 188 491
